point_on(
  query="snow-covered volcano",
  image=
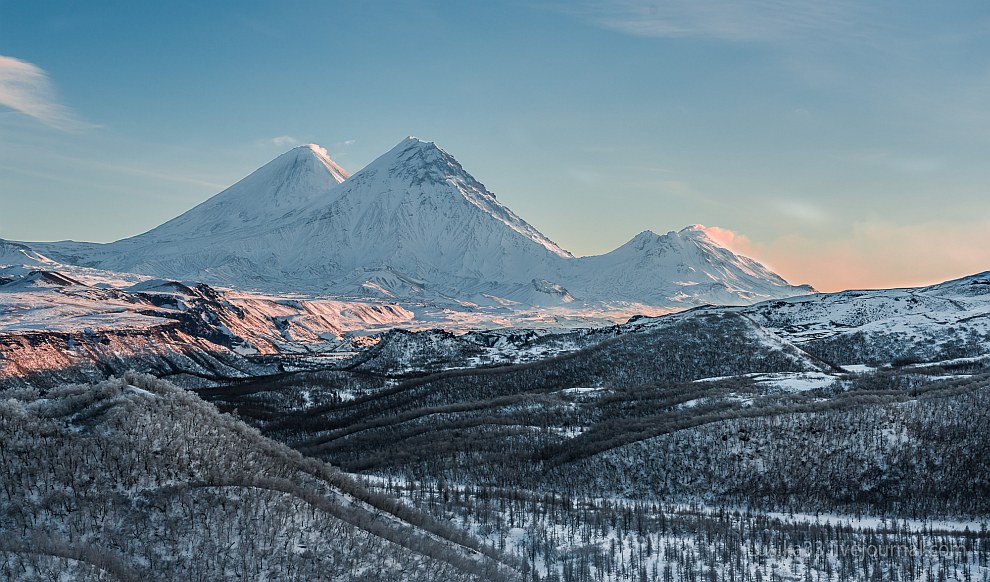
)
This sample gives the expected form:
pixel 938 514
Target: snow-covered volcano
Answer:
pixel 279 190
pixel 686 266
pixel 218 240
pixel 413 224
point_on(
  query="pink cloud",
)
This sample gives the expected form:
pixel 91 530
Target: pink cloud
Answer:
pixel 873 255
pixel 735 242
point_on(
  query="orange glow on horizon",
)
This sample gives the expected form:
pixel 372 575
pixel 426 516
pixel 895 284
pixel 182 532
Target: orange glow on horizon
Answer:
pixel 876 255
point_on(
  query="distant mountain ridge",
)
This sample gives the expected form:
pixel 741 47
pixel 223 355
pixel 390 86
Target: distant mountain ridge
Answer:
pixel 413 224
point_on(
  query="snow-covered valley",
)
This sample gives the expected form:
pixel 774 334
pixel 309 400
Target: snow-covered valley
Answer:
pixel 391 375
pixel 699 444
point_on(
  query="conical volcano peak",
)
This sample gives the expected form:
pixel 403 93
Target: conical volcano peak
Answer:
pixel 419 174
pixel 315 148
pixel 414 143
pixel 695 232
pixel 317 158
pixel 300 177
pixel 296 177
pixel 419 162
pixel 674 237
pixel 646 235
pixel 693 229
pixel 649 242
pixel 412 140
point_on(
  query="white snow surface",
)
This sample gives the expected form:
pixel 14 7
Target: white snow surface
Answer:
pixel 12 253
pixel 948 308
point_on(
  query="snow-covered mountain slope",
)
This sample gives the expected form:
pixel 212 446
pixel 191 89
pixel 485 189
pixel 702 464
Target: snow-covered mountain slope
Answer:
pixel 219 241
pixel 51 324
pixel 50 321
pixel 275 192
pixel 12 253
pixel 685 267
pixel 944 323
pixel 161 486
pixel 948 304
pixel 414 224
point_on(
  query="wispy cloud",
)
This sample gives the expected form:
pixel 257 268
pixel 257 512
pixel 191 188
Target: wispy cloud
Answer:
pixel 26 88
pixel 731 20
pixel 289 141
pixel 166 176
pixel 74 163
pixel 285 141
pixel 802 211
pixel 905 163
pixel 734 241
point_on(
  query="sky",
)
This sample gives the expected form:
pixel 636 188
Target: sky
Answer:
pixel 845 144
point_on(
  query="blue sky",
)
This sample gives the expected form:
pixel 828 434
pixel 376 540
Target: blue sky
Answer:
pixel 845 144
